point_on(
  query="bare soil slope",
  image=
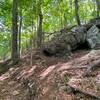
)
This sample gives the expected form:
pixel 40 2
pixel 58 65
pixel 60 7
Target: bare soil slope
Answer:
pixel 52 78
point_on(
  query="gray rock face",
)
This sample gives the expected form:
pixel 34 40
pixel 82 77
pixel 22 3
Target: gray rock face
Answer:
pixel 93 37
pixel 64 42
pixel 95 21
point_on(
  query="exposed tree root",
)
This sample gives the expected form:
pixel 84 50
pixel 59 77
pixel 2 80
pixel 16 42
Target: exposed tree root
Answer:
pixel 91 67
pixel 83 92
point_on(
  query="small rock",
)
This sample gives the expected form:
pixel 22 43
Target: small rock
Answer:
pixel 15 92
pixel 11 83
pixel 3 90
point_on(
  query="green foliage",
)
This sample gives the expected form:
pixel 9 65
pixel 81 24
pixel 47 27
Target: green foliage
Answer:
pixel 5 42
pixel 56 14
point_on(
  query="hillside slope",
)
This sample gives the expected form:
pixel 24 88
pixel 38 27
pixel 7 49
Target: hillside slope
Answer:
pixel 52 78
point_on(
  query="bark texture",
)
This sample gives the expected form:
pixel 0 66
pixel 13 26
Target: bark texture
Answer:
pixel 15 55
pixel 76 12
pixel 98 7
pixel 40 17
pixel 19 32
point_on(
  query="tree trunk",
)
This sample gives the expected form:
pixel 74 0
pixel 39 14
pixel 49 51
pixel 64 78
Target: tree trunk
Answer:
pixel 98 7
pixel 76 12
pixel 20 27
pixel 15 55
pixel 31 44
pixel 39 31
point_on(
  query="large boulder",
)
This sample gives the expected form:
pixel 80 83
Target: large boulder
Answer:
pixel 64 42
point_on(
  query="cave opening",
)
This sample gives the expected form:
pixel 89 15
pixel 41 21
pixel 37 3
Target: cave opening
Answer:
pixel 49 53
pixel 83 46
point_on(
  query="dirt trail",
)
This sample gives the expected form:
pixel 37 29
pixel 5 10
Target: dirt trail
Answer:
pixel 45 80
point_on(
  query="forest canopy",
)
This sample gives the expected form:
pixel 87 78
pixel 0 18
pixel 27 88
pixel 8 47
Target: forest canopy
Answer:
pixel 36 16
